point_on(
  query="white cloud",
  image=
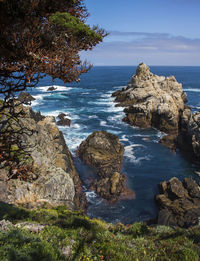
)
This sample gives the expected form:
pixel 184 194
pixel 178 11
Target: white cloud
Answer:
pixel 127 48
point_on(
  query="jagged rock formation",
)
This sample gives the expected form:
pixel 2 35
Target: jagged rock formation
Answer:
pixel 53 178
pixel 104 152
pixel 152 101
pixel 178 203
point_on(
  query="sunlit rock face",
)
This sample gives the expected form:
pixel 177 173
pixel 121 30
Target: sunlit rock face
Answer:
pixel 152 100
pixel 52 179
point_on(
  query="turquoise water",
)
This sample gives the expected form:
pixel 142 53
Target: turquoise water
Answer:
pixel 146 162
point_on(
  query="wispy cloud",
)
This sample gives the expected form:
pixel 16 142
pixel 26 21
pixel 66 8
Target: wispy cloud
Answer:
pixel 129 48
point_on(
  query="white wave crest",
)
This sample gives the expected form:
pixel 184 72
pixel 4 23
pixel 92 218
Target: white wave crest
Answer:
pixel 93 117
pixel 191 90
pixel 93 198
pixel 38 99
pixel 103 123
pixel 123 138
pixel 129 153
pixel 119 87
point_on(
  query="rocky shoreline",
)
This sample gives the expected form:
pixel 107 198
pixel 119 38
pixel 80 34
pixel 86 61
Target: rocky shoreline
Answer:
pixel 149 101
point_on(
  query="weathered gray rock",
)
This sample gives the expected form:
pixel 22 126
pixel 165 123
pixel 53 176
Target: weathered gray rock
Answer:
pixel 178 203
pixel 53 178
pixel 32 227
pixel 152 100
pixel 5 224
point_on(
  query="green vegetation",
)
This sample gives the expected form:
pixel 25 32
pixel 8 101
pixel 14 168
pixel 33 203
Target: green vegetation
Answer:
pixel 69 23
pixel 91 239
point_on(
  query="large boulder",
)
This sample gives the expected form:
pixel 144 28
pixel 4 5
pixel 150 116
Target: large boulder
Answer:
pixel 178 203
pixel 104 152
pixel 52 178
pixel 152 100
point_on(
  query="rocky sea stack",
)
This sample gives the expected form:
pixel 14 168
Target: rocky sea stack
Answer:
pixel 152 101
pixel 159 102
pixel 104 152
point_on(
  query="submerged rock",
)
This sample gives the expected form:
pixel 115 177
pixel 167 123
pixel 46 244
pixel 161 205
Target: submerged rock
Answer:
pixel 104 152
pixel 152 100
pixel 26 98
pixel 178 203
pixel 53 178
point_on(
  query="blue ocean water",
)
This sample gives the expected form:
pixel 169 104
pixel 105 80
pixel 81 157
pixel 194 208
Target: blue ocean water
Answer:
pixel 146 162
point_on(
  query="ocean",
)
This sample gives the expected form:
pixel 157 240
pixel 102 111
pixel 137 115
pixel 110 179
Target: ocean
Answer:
pixel 146 162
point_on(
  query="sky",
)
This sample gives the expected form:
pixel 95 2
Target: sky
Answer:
pixel 157 32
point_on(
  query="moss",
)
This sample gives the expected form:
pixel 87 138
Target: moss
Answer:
pixel 93 239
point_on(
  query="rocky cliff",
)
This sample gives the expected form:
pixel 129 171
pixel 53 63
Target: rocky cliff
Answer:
pixel 52 178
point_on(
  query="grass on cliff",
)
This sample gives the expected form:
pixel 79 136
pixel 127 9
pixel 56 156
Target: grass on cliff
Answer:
pixel 73 236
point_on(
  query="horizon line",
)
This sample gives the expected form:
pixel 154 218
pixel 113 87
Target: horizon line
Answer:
pixel 147 65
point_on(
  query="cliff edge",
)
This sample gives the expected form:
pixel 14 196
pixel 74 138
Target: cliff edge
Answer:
pixel 53 178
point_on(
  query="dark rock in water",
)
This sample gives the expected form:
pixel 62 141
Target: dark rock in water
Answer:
pixel 26 98
pixel 62 115
pixel 64 122
pixel 178 203
pixel 104 152
pixel 52 88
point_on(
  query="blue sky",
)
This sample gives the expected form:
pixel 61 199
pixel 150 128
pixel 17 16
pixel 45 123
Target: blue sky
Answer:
pixel 157 32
